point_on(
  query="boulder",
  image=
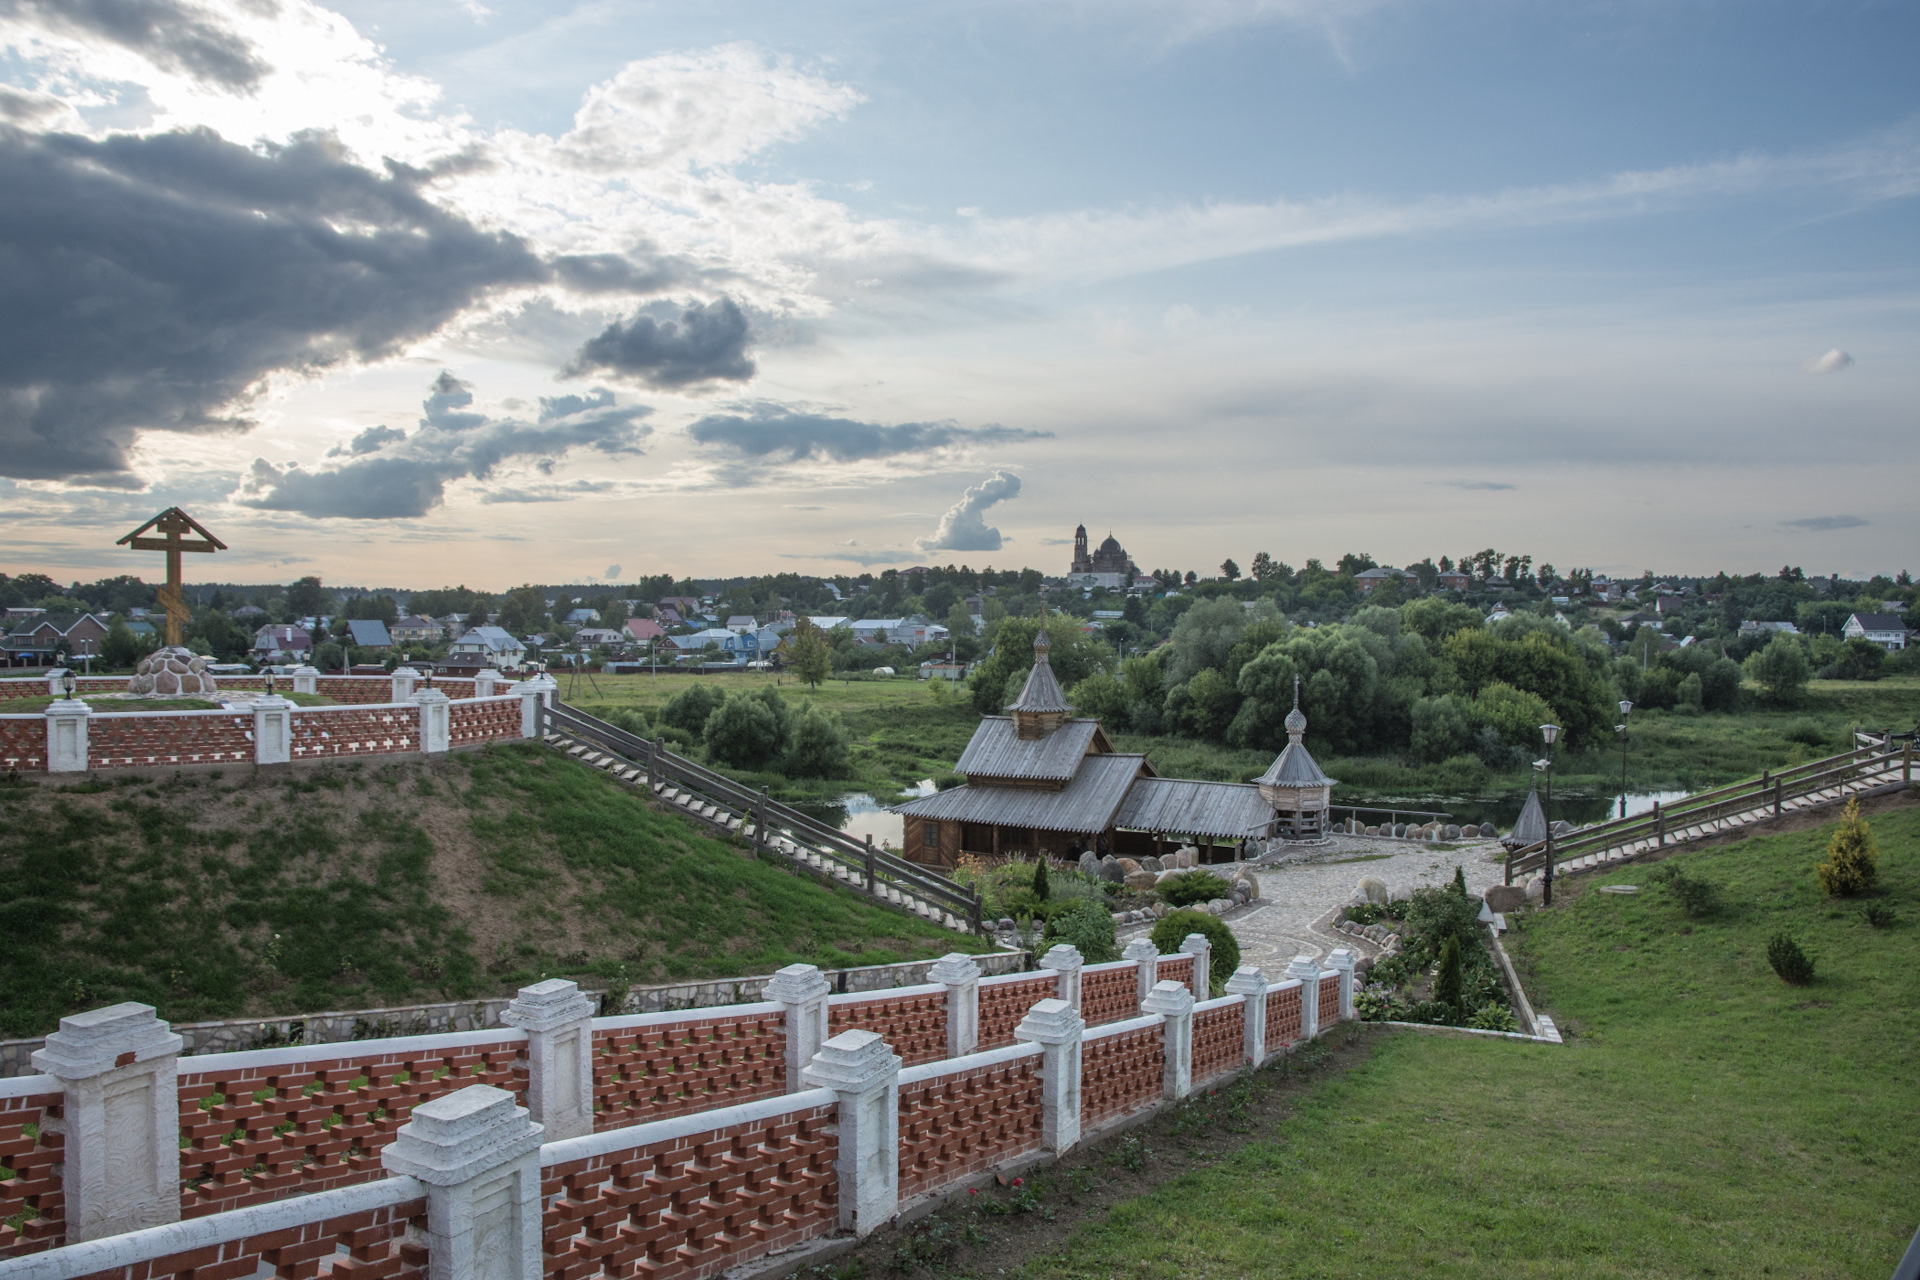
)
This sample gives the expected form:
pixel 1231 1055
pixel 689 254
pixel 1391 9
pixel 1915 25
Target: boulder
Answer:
pixel 1220 906
pixel 1536 890
pixel 1371 890
pixel 1129 866
pixel 1138 880
pixel 1161 910
pixel 1400 830
pixel 1089 864
pixel 1451 832
pixel 1165 876
pixel 1151 864
pixel 1486 831
pixel 1373 831
pixel 1562 827
pixel 1502 898
pixel 175 672
pixel 1249 886
pixel 1111 871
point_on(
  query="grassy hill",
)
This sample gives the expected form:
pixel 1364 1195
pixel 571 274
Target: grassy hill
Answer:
pixel 230 894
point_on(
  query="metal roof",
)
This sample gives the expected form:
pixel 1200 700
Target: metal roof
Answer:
pixel 1042 690
pixel 1294 768
pixel 997 751
pixel 1185 807
pixel 1085 806
pixel 1531 827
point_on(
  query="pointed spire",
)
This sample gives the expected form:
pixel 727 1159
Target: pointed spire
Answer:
pixel 1296 720
pixel 1041 706
pixel 1530 828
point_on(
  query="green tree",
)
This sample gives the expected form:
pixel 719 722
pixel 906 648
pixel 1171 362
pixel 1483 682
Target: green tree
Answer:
pixel 307 598
pixel 744 733
pixel 1073 654
pixel 379 606
pixel 688 710
pixel 1853 858
pixel 809 654
pixel 1781 669
pixel 1442 728
pixel 1229 570
pixel 816 746
pixel 1449 986
pixel 122 648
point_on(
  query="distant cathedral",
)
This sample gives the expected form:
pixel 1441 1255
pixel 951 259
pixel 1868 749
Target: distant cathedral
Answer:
pixel 1110 559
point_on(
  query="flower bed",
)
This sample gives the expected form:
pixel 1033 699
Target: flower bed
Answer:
pixel 1444 972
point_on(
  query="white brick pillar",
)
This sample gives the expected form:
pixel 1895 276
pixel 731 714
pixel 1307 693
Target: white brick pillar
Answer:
pixel 864 1073
pixel 1058 1027
pixel 961 976
pixel 1146 958
pixel 1174 1003
pixel 56 682
pixel 272 730
pixel 1342 961
pixel 436 728
pixel 119 1069
pixel 1307 969
pixel 405 680
pixel 1064 960
pixel 802 992
pixel 558 1021
pixel 67 736
pixel 479 1155
pixel 1197 946
pixel 530 706
pixel 306 679
pixel 483 682
pixel 1251 984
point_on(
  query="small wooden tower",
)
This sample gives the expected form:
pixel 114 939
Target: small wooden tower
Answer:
pixel 1041 707
pixel 1530 828
pixel 1300 794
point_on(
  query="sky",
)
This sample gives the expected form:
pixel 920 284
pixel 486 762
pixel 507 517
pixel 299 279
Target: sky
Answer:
pixel 415 292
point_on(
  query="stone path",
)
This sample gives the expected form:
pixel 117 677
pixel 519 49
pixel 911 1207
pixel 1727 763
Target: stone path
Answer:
pixel 1279 926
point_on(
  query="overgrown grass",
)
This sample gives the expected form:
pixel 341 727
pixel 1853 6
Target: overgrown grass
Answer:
pixel 222 895
pixel 1704 1119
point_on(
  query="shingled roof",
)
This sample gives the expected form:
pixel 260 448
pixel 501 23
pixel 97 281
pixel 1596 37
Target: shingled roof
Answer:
pixel 998 751
pixel 1181 806
pixel 1084 806
pixel 1042 691
pixel 1531 827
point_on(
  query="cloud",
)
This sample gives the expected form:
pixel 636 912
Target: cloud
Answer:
pixel 962 528
pixel 708 342
pixel 173 37
pixel 372 440
pixel 154 284
pixel 774 433
pixel 1821 524
pixel 409 478
pixel 1832 362
pixel 613 571
pixel 1474 484
pixel 802 506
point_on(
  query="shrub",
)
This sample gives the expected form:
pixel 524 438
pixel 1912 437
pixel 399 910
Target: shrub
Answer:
pixel 1880 914
pixel 1807 733
pixel 1459 885
pixel 688 710
pixel 1373 1006
pixel 816 746
pixel 1190 887
pixel 743 733
pixel 1789 961
pixel 1365 913
pixel 1173 929
pixel 1697 898
pixel 1040 889
pixel 1085 925
pixel 1437 1012
pixel 1781 668
pixel 1440 914
pixel 1494 1017
pixel 1447 979
pixel 1852 863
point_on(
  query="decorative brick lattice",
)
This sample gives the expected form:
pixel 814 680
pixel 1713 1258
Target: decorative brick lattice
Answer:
pixel 315 1128
pixel 31 688
pixel 356 689
pixel 323 732
pixel 651 1073
pixel 32 1188
pixel 1003 1004
pixel 955 1126
pixel 1329 1002
pixel 1219 1041
pixel 1109 995
pixel 23 742
pixel 375 1243
pixel 1283 1017
pixel 118 741
pixel 915 1027
pixel 1178 969
pixel 483 720
pixel 454 687
pixel 1121 1073
pixel 691 1207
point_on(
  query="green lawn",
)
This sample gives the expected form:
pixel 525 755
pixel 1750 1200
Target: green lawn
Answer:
pixel 1704 1119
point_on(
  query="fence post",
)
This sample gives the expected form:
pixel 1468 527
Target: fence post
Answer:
pixel 306 679
pixel 962 979
pixel 483 687
pixel 1197 946
pixel 558 1021
pixel 760 818
pixel 1343 959
pixel 529 709
pixel 865 1076
pixel 1660 824
pixel 119 1070
pixel 56 681
pixel 404 680
pixel 272 730
pixel 479 1155
pixel 869 862
pixel 1174 1003
pixel 434 728
pixel 1776 797
pixel 1307 969
pixel 1064 960
pixel 67 736
pixel 1251 984
pixel 803 992
pixel 1057 1026
pixel 1146 959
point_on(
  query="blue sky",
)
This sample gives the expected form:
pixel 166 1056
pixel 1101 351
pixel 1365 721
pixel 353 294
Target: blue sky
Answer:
pixel 732 287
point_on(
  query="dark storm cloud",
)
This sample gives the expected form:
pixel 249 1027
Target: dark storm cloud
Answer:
pixel 172 36
pixel 707 342
pixel 409 478
pixel 612 273
pixel 775 434
pixel 152 283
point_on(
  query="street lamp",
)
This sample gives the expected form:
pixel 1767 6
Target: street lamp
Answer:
pixel 1551 734
pixel 1626 709
pixel 67 683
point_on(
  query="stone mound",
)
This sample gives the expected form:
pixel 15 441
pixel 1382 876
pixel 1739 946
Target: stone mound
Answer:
pixel 173 672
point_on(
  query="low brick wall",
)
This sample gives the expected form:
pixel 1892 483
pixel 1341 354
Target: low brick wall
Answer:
pixel 1219 1038
pixel 1109 992
pixel 1004 1003
pixel 967 1117
pixel 1122 1069
pixel 1283 1014
pixel 23 743
pixel 130 739
pixel 31 1151
pixel 653 1066
pixel 912 1020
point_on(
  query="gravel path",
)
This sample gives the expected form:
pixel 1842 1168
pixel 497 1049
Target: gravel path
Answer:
pixel 1280 924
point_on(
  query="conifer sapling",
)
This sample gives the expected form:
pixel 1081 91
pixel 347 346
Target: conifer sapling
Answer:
pixel 1852 863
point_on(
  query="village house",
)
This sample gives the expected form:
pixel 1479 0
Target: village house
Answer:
pixel 280 642
pixel 598 636
pixel 741 622
pixel 41 639
pixel 644 630
pixel 1888 630
pixel 368 633
pixel 1452 580
pixel 487 647
pixel 416 630
pixel 1368 579
pixel 581 617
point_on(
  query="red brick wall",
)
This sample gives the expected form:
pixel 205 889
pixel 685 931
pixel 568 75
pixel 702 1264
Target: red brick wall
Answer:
pixel 1283 1017
pixel 23 743
pixel 1178 969
pixel 123 739
pixel 653 1072
pixel 1003 1004
pixel 487 720
pixel 325 732
pixel 32 687
pixel 1329 1010
pixel 1121 1073
pixel 688 1208
pixel 33 1187
pixel 1219 1041
pixel 915 1026
pixel 234 1155
pixel 375 1240
pixel 955 1126
pixel 1110 995
pixel 359 689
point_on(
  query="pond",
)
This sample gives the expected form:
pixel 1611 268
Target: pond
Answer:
pixel 860 815
pixel 1503 809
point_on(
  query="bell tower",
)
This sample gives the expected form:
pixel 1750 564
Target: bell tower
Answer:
pixel 1082 562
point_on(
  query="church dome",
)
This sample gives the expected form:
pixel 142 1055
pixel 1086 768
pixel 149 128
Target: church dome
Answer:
pixel 1296 722
pixel 1110 544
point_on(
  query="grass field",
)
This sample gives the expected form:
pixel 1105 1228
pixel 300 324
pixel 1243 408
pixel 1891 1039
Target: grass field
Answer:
pixel 211 895
pixel 1704 1119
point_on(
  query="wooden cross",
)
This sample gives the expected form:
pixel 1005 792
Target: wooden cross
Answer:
pixel 173 522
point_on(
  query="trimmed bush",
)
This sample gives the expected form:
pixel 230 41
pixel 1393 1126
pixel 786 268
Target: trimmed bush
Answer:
pixel 1085 925
pixel 1172 930
pixel 1190 887
pixel 1697 898
pixel 1789 961
pixel 1040 888
pixel 1880 914
pixel 1447 982
pixel 1853 862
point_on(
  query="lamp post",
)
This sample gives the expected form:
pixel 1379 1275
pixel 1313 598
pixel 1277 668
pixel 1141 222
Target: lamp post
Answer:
pixel 1551 734
pixel 1626 708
